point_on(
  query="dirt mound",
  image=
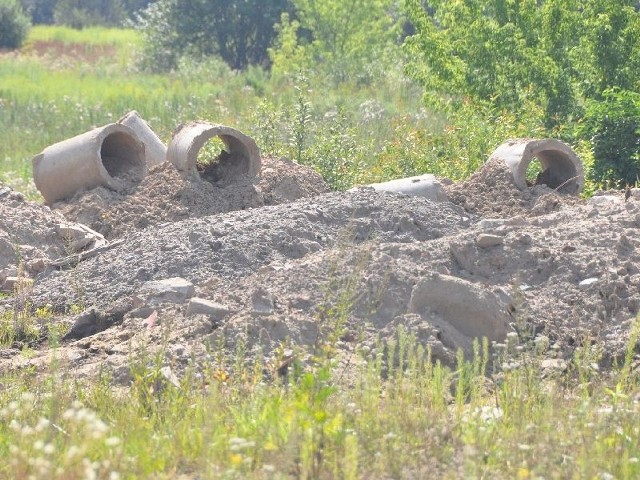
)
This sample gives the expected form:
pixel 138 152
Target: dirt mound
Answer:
pixel 353 266
pixel 491 192
pixel 166 195
pixel 28 235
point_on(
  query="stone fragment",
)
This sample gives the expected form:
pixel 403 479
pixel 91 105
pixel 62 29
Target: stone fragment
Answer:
pixel 170 290
pixel 170 377
pixel 486 240
pixel 554 364
pixel 10 284
pixel 587 282
pixel 262 302
pixel 201 306
pixel 77 236
pixel 472 310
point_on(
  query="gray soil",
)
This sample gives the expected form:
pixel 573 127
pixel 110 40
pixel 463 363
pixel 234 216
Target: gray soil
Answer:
pixel 285 263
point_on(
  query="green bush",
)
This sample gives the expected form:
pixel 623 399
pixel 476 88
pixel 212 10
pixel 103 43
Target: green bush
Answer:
pixel 612 125
pixel 14 24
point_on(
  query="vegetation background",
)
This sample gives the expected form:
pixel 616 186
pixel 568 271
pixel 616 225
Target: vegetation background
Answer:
pixel 363 91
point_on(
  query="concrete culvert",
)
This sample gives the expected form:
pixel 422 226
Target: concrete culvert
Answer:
pixel 241 157
pixel 155 152
pixel 560 166
pixel 111 156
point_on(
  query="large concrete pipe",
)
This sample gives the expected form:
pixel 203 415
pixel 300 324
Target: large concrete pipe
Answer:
pixel 107 156
pixel 241 159
pixel 155 152
pixel 426 186
pixel 561 167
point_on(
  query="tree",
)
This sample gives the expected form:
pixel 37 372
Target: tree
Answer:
pixel 503 51
pixel 14 24
pixel 84 13
pixel 40 11
pixel 342 38
pixel 239 31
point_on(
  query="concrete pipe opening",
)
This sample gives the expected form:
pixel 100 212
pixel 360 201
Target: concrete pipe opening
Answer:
pixel 560 168
pixel 238 158
pixel 122 158
pixel 111 156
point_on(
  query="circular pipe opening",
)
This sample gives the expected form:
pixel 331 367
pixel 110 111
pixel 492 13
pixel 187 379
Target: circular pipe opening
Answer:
pixel 558 171
pixel 122 158
pixel 238 160
pixel 559 166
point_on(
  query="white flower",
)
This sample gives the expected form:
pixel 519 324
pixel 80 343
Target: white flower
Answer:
pixel 112 441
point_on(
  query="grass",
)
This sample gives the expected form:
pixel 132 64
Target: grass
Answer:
pixel 400 415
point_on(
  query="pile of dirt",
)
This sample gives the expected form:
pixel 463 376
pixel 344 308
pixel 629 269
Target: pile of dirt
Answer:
pixel 28 235
pixel 491 192
pixel 281 278
pixel 167 195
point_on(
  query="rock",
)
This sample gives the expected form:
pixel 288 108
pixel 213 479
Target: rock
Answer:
pixel 262 302
pixel 470 309
pixel 93 321
pixel 486 240
pixel 169 290
pixel 555 364
pixel 491 223
pixel 77 236
pixel 15 283
pixel 605 200
pixel 200 306
pixel 170 377
pixel 587 282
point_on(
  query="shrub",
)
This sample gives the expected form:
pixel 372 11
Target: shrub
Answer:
pixel 612 125
pixel 14 24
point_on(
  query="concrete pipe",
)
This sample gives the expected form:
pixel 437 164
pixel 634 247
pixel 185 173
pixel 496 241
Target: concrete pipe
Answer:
pixel 111 156
pixel 561 167
pixel 241 159
pixel 426 186
pixel 155 152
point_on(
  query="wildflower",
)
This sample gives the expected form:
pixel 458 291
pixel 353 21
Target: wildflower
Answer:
pixel 28 397
pixel 42 424
pixel 112 441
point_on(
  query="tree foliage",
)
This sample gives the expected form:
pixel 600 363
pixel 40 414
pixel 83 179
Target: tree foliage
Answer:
pixel 14 24
pixel 612 125
pixel 239 31
pixel 83 13
pixel 503 51
pixel 345 39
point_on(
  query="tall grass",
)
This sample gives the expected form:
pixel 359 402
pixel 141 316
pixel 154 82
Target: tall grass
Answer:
pixel 397 415
pixel 95 35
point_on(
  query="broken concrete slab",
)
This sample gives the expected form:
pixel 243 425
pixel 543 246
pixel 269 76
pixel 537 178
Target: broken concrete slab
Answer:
pixel 486 240
pixel 170 290
pixel 201 306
